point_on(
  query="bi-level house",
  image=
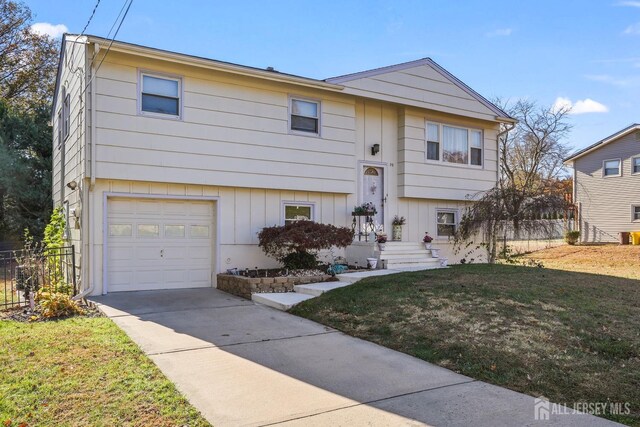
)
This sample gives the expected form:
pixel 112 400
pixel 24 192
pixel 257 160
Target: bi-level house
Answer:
pixel 606 186
pixel 168 165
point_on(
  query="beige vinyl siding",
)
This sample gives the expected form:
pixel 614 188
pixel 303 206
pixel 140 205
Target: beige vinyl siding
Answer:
pixel 234 132
pixel 420 86
pixel 69 159
pixel 421 178
pixel 243 213
pixel 605 203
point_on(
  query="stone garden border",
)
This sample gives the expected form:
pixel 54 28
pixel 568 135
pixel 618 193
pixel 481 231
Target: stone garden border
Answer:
pixel 244 286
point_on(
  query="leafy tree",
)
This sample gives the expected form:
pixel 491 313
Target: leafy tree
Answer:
pixel 295 244
pixel 28 61
pixel 25 170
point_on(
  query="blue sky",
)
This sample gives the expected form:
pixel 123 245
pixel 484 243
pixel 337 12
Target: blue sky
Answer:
pixel 583 52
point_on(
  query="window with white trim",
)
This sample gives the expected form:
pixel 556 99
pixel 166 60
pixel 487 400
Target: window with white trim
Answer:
pixel 452 144
pixel 446 222
pixel 304 116
pixel 433 141
pixel 635 165
pixel 60 139
pixel 611 167
pixel 635 213
pixel 160 95
pixel 294 212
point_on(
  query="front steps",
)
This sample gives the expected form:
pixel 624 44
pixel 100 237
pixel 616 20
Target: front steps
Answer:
pixel 406 255
pixel 395 258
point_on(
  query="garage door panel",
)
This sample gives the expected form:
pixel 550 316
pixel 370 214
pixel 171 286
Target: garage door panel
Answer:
pixel 159 244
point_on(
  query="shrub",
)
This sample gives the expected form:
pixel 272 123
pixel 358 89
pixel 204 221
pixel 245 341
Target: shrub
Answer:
pixel 56 304
pixel 296 244
pixel 571 237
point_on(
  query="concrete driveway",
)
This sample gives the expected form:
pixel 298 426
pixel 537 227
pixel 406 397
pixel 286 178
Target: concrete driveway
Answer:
pixel 241 363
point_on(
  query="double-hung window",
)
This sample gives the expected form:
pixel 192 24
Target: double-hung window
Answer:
pixel 160 95
pixel 611 167
pixel 635 213
pixel 635 165
pixel 66 115
pixel 304 116
pixel 433 141
pixel 294 212
pixel 453 144
pixel 446 222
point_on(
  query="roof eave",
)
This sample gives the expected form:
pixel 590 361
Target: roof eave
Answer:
pixel 215 65
pixel 602 142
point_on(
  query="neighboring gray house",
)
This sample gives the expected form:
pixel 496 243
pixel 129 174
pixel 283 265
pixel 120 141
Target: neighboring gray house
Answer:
pixel 606 178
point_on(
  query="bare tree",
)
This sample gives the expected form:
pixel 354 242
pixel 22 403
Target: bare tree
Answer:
pixel 530 185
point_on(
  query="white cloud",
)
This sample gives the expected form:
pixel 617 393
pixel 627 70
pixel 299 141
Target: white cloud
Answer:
pixel 633 29
pixel 54 31
pixel 581 106
pixel 500 32
pixel 629 3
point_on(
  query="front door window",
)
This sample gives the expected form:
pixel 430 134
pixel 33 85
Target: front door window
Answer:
pixel 373 192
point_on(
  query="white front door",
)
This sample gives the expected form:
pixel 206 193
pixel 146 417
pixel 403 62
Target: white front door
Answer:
pixel 159 244
pixel 373 192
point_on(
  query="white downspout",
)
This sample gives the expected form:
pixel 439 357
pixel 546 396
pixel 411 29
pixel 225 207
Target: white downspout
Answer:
pixel 92 174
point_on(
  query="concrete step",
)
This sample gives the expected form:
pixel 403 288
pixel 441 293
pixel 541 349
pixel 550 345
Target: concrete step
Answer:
pixel 282 301
pixel 317 289
pixel 414 265
pixel 393 255
pixel 359 275
pixel 400 245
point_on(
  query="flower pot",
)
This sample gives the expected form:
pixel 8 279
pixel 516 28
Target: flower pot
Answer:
pixel 372 263
pixel 444 262
pixel 381 246
pixel 435 253
pixel 396 234
pixel 427 246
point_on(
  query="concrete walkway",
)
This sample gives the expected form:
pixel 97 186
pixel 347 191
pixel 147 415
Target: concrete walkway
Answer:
pixel 240 363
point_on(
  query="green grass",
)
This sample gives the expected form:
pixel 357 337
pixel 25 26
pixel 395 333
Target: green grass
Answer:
pixel 571 337
pixel 83 372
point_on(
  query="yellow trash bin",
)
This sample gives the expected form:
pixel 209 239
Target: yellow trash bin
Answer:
pixel 635 237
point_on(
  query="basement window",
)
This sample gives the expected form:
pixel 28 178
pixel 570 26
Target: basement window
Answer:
pixel 446 222
pixel 294 212
pixel 635 213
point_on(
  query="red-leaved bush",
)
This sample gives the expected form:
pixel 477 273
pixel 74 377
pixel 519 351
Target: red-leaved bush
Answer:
pixel 296 244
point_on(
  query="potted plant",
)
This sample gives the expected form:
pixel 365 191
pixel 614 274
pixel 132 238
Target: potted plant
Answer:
pixel 572 237
pixel 381 239
pixel 427 240
pixel 397 223
pixel 365 209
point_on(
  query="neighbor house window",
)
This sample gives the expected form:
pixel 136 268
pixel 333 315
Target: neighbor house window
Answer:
pixel 635 165
pixel 66 114
pixel 433 141
pixel 454 144
pixel 305 116
pixel 446 223
pixel 160 95
pixel 611 167
pixel 60 139
pixel 635 213
pixel 294 212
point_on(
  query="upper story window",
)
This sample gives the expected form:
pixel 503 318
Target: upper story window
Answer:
pixel 295 211
pixel 611 167
pixel 446 222
pixel 635 165
pixel 304 116
pixel 454 144
pixel 160 95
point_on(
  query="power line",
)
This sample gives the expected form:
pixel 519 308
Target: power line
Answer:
pixel 90 17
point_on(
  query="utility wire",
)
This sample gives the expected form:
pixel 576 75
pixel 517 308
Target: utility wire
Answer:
pixel 90 17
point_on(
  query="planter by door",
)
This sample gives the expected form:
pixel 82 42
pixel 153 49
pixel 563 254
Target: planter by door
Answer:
pixel 397 233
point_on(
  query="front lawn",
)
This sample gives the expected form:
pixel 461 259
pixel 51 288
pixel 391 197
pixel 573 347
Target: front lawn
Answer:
pixel 83 372
pixel 571 337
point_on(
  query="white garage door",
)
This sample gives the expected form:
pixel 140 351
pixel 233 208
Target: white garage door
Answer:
pixel 159 244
